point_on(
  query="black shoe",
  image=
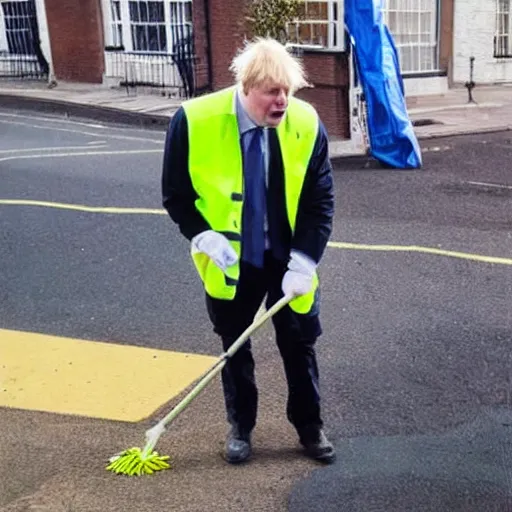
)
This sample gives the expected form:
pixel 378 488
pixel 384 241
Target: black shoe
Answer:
pixel 238 447
pixel 318 447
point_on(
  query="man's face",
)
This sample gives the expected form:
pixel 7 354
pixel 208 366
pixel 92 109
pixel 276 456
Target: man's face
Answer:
pixel 266 103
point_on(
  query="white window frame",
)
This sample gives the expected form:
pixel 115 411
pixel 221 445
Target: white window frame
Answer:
pixel 181 9
pixel 503 30
pixel 335 26
pixel 126 24
pixel 4 44
pixel 115 24
pixel 408 25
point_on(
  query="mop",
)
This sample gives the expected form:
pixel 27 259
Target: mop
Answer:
pixel 146 461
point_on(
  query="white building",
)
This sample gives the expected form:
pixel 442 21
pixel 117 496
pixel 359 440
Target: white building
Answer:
pixel 483 30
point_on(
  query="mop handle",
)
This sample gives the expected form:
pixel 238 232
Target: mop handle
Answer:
pixel 221 362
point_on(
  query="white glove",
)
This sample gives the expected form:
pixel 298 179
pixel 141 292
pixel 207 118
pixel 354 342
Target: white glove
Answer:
pixel 298 279
pixel 216 247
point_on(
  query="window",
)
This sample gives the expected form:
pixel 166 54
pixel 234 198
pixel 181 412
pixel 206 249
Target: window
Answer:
pixel 181 22
pixel 20 26
pixel 148 26
pixel 147 23
pixel 117 27
pixel 413 25
pixel 321 24
pixel 503 36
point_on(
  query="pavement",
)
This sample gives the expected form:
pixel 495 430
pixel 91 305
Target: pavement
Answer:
pixel 432 115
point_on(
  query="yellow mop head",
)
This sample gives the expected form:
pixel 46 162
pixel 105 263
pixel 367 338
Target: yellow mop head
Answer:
pixel 133 462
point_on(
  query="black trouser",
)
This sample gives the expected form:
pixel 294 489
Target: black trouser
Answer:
pixel 295 336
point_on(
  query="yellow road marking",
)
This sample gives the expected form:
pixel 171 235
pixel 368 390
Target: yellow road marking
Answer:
pixel 425 250
pixel 89 378
pixel 83 208
pixel 334 245
pixel 82 153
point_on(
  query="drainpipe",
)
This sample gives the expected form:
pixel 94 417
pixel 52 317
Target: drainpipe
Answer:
pixel 208 43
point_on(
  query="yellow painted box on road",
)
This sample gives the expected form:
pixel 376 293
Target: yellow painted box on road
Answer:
pixel 89 378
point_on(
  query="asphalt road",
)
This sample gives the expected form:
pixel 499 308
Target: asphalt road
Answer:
pixel 415 359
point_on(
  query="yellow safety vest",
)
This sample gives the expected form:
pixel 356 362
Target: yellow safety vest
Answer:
pixel 216 171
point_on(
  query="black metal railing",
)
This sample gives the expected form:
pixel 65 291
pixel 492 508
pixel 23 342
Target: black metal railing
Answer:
pixel 22 66
pixel 173 72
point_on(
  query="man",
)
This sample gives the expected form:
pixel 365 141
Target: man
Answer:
pixel 247 178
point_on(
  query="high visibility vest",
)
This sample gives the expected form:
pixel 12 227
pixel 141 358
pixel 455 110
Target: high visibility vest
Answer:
pixel 216 170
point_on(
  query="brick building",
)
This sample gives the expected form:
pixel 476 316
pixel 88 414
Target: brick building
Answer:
pixel 185 46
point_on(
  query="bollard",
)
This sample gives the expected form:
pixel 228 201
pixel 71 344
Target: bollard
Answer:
pixel 470 84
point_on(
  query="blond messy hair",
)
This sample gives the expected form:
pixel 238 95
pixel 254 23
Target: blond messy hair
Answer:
pixel 266 60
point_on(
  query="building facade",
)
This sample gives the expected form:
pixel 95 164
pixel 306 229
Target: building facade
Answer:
pixel 483 30
pixel 184 47
pixel 423 33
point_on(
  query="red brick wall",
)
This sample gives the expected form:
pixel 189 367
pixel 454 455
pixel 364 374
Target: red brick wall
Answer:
pixel 76 38
pixel 227 34
pixel 329 74
pixel 200 20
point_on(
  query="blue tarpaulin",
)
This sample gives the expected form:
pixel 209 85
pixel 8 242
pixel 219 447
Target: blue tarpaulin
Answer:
pixel 390 131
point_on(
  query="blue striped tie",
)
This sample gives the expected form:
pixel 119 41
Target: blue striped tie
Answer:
pixel 255 201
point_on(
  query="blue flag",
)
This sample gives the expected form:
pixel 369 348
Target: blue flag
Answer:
pixel 390 131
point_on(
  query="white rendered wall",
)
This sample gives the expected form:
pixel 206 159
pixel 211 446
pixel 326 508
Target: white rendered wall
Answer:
pixel 474 27
pixel 423 86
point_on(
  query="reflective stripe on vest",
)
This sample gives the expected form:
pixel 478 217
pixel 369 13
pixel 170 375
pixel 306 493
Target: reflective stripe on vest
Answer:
pixel 216 171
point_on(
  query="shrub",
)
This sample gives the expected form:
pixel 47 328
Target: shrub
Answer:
pixel 268 18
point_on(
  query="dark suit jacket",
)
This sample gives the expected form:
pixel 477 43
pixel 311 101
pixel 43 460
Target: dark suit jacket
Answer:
pixel 316 204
